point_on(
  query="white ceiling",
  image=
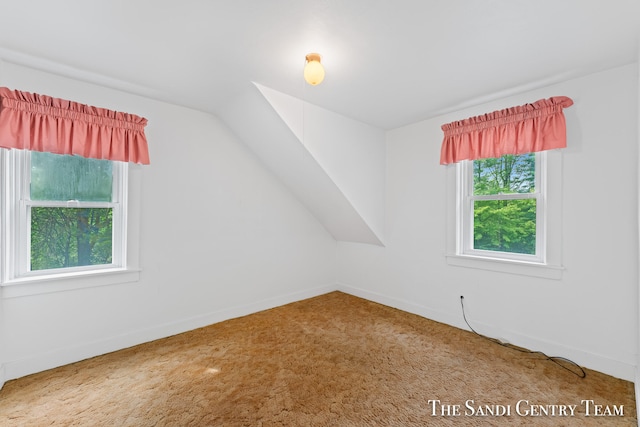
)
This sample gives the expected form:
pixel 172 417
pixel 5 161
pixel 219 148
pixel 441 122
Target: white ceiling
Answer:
pixel 388 62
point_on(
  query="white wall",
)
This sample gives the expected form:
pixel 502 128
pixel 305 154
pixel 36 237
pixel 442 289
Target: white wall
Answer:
pixel 637 378
pixel 219 237
pixel 590 315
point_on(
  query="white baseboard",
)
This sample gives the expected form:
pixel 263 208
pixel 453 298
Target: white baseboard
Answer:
pixel 623 369
pixel 401 304
pixel 63 356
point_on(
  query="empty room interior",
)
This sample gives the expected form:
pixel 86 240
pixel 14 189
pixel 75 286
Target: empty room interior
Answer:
pixel 441 160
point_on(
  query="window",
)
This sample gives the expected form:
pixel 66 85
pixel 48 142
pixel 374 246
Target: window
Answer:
pixel 64 214
pixel 503 206
pixel 503 216
pixel 479 224
pixel 63 222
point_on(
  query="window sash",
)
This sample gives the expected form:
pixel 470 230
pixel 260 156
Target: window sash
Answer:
pixel 16 204
pixel 465 244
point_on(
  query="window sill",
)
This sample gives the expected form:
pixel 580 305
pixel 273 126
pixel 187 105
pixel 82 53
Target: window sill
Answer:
pixel 27 286
pixel 522 268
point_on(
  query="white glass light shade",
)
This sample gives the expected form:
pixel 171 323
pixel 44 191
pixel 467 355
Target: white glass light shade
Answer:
pixel 313 70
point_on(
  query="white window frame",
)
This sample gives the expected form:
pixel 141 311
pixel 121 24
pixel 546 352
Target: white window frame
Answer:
pixel 14 234
pixel 547 262
pixel 466 215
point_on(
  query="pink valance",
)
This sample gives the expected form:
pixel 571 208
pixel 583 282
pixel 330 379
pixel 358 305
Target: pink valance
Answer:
pixel 42 123
pixel 517 130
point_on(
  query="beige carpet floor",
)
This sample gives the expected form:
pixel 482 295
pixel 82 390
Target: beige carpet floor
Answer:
pixel 333 360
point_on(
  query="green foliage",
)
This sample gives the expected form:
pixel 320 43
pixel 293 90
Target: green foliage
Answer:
pixel 505 175
pixel 505 225
pixel 70 237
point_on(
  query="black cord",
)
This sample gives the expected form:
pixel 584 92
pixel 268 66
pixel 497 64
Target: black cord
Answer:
pixel 554 359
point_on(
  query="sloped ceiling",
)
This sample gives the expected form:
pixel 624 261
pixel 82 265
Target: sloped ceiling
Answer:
pixel 389 63
pixel 260 117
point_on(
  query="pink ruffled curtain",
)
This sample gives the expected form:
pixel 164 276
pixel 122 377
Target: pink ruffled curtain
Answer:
pixel 517 130
pixel 42 123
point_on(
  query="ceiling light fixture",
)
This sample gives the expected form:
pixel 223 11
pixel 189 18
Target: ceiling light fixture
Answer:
pixel 313 70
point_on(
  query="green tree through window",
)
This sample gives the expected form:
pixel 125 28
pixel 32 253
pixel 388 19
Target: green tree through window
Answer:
pixel 70 237
pixel 504 216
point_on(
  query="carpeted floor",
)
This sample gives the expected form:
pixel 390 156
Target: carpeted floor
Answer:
pixel 333 360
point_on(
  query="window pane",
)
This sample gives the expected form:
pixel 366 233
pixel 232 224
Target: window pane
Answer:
pixel 505 225
pixel 508 174
pixel 70 237
pixel 58 177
